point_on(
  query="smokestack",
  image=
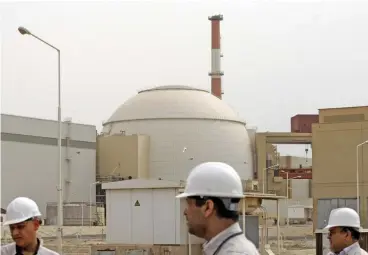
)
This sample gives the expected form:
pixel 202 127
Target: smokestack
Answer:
pixel 216 72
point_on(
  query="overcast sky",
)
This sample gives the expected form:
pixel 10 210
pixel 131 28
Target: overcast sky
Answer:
pixel 281 58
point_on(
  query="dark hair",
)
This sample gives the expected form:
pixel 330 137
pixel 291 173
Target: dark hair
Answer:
pixel 355 234
pixel 221 210
pixel 35 218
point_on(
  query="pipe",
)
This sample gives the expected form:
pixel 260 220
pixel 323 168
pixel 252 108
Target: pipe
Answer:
pixel 266 226
pixel 189 245
pixel 264 236
pixel 278 226
pixel 243 211
pixel 216 73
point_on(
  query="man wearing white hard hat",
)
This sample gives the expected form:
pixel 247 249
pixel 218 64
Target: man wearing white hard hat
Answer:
pixel 344 232
pixel 24 218
pixel 213 192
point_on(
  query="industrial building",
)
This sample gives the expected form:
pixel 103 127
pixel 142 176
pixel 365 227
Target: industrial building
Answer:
pixel 174 128
pixel 147 147
pixel 29 162
pixel 336 160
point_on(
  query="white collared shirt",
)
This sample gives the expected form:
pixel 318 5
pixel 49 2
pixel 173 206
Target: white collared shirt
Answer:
pixel 9 249
pixel 353 249
pixel 236 245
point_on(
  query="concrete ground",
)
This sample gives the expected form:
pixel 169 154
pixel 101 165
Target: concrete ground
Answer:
pixel 296 239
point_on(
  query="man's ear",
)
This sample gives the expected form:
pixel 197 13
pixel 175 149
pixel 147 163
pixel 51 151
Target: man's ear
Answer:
pixel 36 224
pixel 208 208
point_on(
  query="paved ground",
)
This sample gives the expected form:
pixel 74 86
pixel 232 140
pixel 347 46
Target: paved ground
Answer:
pixel 297 239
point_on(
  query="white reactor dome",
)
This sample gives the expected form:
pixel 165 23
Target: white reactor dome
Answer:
pixel 186 126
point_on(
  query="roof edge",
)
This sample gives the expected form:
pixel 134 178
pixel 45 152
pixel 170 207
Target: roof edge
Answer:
pixel 141 184
pixel 177 118
pixel 172 87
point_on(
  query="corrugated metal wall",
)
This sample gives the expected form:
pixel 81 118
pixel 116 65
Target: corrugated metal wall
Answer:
pixel 325 206
pixel 251 228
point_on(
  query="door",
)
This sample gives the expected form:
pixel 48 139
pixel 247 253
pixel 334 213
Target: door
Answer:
pixel 142 220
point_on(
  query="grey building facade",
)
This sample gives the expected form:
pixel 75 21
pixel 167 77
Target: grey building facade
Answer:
pixel 29 165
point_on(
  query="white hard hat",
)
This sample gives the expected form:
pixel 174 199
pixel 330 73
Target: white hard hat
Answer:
pixel 21 209
pixel 214 179
pixel 343 217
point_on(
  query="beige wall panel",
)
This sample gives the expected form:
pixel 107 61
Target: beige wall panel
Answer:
pixel 123 156
pixel 347 114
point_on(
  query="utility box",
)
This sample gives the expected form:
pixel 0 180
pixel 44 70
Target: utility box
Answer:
pixel 146 212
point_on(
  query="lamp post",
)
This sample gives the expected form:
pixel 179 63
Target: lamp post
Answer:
pixel 25 31
pixel 357 175
pixel 90 201
pixel 264 174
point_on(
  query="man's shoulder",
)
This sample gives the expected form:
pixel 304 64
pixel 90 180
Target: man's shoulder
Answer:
pixel 363 252
pixel 45 251
pixel 8 249
pixel 8 246
pixel 241 245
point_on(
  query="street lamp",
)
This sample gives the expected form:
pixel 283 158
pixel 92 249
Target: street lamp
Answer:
pixel 287 194
pixel 25 31
pixel 90 201
pixel 357 174
pixel 264 174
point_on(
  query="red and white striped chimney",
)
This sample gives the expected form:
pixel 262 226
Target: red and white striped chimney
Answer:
pixel 216 73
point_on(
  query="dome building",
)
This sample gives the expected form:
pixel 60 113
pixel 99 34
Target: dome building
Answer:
pixel 186 126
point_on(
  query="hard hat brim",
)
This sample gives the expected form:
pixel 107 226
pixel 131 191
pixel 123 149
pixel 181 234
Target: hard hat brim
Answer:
pixel 184 195
pixel 330 226
pixel 333 226
pixel 16 221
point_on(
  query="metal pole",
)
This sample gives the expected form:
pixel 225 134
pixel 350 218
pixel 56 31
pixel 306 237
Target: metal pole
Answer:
pixel 61 180
pixel 189 244
pixel 287 198
pixel 357 179
pixel 278 227
pixel 25 31
pixel 243 212
pixel 90 203
pixel 357 176
pixel 82 214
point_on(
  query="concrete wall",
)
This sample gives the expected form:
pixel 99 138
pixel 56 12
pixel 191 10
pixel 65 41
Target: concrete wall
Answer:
pixel 178 145
pixel 300 189
pixel 252 137
pixel 343 115
pixel 299 194
pixel 123 155
pixel 29 156
pixel 335 157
